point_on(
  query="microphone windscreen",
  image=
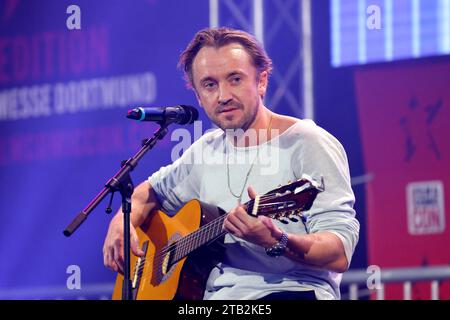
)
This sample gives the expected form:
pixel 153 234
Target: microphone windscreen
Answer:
pixel 191 114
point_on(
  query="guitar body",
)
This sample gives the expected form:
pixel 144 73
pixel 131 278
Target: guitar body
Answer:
pixel 180 251
pixel 159 276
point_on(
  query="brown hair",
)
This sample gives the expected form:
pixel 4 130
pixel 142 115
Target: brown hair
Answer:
pixel 219 37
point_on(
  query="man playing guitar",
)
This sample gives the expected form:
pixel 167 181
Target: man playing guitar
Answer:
pixel 264 258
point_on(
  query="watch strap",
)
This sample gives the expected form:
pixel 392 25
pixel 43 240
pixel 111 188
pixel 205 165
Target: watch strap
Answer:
pixel 278 248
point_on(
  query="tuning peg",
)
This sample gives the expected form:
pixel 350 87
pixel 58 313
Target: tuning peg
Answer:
pixel 299 213
pixel 280 216
pixel 293 217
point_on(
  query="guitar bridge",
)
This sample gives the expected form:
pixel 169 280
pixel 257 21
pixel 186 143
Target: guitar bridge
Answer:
pixel 139 268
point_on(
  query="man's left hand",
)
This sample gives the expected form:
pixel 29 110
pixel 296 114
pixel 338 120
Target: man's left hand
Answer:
pixel 260 231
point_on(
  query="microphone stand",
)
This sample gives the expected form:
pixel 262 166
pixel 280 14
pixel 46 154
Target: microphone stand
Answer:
pixel 121 182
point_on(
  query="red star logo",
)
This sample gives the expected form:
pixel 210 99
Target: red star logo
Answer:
pixel 417 126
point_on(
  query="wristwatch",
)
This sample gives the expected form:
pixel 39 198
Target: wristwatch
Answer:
pixel 278 248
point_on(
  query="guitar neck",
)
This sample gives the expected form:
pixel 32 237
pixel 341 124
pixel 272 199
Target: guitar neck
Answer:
pixel 278 203
pixel 208 233
pixel 204 235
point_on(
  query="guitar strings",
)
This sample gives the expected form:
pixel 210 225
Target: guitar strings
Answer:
pixel 184 246
pixel 173 246
pixel 213 224
pixel 188 239
pixel 196 234
pixel 186 242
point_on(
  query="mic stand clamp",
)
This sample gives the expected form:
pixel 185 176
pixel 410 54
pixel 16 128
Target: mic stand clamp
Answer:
pixel 126 188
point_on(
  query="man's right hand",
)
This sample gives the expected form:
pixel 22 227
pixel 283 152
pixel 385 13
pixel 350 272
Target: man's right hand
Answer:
pixel 113 256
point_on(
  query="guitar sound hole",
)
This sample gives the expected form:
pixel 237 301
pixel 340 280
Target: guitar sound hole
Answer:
pixel 164 266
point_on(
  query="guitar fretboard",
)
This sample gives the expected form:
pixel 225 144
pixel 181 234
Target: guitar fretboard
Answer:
pixel 207 233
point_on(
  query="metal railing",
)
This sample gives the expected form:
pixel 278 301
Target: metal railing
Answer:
pixel 363 283
pixel 355 284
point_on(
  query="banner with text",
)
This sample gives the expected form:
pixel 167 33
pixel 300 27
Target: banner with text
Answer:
pixel 404 113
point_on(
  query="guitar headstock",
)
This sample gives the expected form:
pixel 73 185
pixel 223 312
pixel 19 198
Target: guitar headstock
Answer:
pixel 287 202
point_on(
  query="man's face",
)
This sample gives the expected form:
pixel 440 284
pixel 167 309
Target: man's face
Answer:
pixel 227 85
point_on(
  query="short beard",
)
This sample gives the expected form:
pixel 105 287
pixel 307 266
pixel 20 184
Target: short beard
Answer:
pixel 243 124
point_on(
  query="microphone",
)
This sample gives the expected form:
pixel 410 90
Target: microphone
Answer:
pixel 180 114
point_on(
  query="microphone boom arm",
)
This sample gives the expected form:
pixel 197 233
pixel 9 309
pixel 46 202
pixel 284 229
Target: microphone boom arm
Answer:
pixel 114 183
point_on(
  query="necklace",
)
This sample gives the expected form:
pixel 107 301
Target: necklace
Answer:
pixel 239 196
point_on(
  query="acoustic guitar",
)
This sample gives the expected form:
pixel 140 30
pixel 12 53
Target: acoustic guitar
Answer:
pixel 180 251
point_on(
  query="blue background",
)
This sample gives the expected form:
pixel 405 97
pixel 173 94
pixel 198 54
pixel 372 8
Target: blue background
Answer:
pixel 41 194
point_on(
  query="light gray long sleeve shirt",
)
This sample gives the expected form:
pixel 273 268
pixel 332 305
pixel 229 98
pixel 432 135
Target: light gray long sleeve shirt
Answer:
pixel 304 148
